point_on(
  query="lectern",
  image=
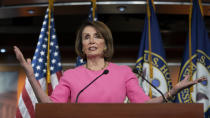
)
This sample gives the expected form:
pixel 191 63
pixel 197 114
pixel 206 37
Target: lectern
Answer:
pixel 169 110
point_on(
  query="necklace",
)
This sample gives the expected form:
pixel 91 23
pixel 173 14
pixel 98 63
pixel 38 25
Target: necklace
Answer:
pixel 105 64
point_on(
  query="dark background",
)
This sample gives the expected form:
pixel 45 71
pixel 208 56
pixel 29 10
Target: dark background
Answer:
pixel 19 27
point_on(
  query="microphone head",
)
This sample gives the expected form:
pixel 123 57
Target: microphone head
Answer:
pixel 135 71
pixel 106 71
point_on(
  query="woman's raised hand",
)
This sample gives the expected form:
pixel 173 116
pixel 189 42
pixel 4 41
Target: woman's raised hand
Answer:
pixel 185 83
pixel 25 64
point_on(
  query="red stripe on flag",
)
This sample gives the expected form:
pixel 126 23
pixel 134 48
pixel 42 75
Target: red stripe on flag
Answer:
pixel 50 89
pixel 59 74
pixel 18 114
pixel 28 103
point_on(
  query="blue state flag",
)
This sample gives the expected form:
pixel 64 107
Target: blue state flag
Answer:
pixel 196 61
pixel 151 57
pixel 92 16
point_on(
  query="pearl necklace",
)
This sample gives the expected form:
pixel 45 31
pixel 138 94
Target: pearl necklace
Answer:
pixel 105 64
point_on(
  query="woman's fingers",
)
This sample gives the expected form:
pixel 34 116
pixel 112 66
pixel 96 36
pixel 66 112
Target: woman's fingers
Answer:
pixel 19 54
pixel 20 57
pixel 201 79
pixel 186 83
pixel 29 61
pixel 187 77
pixel 197 81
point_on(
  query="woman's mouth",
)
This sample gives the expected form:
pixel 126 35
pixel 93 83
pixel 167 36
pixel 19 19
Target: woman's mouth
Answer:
pixel 92 48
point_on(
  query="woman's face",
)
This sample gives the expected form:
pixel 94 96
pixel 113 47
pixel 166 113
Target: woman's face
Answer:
pixel 93 43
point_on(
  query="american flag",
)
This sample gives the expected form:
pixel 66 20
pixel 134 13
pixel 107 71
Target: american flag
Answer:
pixel 27 100
pixel 93 11
pixel 81 61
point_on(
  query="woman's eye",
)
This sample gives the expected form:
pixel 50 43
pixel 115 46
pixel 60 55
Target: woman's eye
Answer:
pixel 98 36
pixel 86 36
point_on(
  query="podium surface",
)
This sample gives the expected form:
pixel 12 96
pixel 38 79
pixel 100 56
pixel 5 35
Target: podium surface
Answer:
pixel 86 110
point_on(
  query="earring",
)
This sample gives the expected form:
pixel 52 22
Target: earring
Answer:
pixel 105 49
pixel 83 52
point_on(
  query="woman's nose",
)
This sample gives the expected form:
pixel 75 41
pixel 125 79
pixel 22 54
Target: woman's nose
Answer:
pixel 92 40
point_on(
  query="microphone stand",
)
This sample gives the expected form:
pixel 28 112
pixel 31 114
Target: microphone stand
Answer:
pixel 105 72
pixel 142 75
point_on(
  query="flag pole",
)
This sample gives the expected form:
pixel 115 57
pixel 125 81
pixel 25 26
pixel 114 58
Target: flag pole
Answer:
pixel 190 45
pixel 201 7
pixel 50 7
pixel 190 41
pixel 150 48
pixel 94 8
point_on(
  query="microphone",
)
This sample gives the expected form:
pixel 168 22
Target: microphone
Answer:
pixel 105 72
pixel 142 75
